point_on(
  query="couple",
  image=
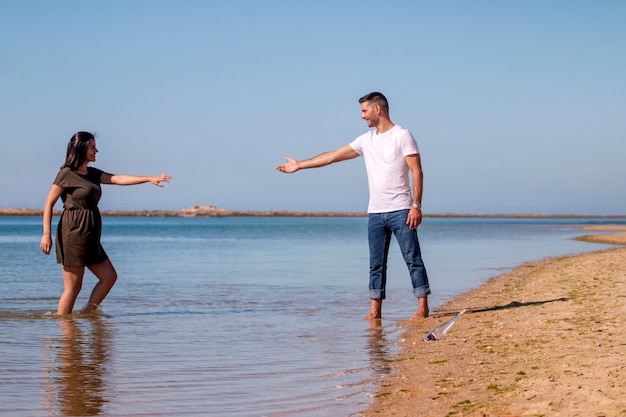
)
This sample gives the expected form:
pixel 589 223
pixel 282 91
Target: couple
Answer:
pixel 390 152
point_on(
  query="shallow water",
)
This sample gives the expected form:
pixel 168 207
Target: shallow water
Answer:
pixel 232 316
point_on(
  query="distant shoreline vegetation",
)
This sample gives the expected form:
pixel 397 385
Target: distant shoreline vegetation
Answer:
pixel 211 211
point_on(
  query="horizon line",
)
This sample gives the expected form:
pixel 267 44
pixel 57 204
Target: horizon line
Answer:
pixel 211 211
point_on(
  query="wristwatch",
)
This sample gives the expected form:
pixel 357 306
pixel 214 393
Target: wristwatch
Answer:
pixel 416 206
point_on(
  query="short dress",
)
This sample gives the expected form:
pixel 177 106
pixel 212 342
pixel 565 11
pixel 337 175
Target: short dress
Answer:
pixel 80 227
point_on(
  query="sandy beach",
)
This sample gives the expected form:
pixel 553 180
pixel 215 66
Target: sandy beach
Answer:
pixel 546 339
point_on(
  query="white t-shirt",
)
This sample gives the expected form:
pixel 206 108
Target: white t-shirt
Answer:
pixel 387 171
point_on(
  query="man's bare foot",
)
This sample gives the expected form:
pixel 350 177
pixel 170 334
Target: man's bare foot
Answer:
pixel 376 310
pixel 422 311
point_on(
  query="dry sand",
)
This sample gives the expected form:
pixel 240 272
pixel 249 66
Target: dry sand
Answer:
pixel 546 339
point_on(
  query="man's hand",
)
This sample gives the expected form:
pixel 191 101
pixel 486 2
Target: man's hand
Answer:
pixel 288 167
pixel 414 218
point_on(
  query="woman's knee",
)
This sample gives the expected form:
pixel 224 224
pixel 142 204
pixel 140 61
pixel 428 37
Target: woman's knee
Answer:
pixel 110 276
pixel 73 289
pixel 73 279
pixel 105 272
pixel 113 278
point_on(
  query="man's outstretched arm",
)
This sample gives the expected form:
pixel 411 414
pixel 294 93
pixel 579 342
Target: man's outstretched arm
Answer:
pixel 323 159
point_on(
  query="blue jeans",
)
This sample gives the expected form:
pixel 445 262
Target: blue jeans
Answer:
pixel 380 227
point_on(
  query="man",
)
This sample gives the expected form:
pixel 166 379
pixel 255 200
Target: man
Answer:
pixel 390 152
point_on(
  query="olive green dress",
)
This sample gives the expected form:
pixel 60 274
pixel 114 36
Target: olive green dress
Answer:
pixel 80 226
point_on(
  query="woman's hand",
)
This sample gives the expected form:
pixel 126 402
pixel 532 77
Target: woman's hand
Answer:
pixel 159 179
pixel 46 244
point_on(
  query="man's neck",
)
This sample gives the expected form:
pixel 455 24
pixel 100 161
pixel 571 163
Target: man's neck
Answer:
pixel 384 125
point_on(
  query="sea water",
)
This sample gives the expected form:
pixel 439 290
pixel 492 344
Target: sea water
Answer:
pixel 233 317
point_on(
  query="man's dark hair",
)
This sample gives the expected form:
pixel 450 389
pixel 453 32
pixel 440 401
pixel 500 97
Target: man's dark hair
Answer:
pixel 376 98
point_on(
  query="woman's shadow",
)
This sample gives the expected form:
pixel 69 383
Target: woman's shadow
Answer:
pixel 81 360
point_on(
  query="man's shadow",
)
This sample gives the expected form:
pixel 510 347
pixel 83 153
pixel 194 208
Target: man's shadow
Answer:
pixel 512 304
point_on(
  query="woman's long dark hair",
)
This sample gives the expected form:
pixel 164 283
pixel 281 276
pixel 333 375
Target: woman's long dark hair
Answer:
pixel 77 149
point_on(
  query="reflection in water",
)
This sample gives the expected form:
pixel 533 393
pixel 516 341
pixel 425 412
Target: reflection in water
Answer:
pixel 79 361
pixel 378 348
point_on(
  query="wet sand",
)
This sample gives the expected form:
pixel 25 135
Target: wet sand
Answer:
pixel 546 339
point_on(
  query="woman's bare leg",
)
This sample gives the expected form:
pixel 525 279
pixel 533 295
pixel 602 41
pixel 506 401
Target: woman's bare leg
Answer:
pixel 72 283
pixel 106 274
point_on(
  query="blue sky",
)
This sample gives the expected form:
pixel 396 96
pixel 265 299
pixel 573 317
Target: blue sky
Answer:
pixel 517 106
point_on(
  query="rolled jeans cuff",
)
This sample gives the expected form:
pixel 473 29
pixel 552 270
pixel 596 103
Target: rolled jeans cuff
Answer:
pixel 377 294
pixel 419 292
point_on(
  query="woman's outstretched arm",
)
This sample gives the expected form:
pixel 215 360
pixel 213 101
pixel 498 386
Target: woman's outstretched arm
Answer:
pixel 127 179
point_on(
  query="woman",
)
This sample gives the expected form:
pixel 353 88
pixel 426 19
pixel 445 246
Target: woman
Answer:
pixel 78 233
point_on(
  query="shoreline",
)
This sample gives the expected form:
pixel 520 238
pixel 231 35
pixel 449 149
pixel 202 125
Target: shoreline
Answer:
pixel 212 211
pixel 545 339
